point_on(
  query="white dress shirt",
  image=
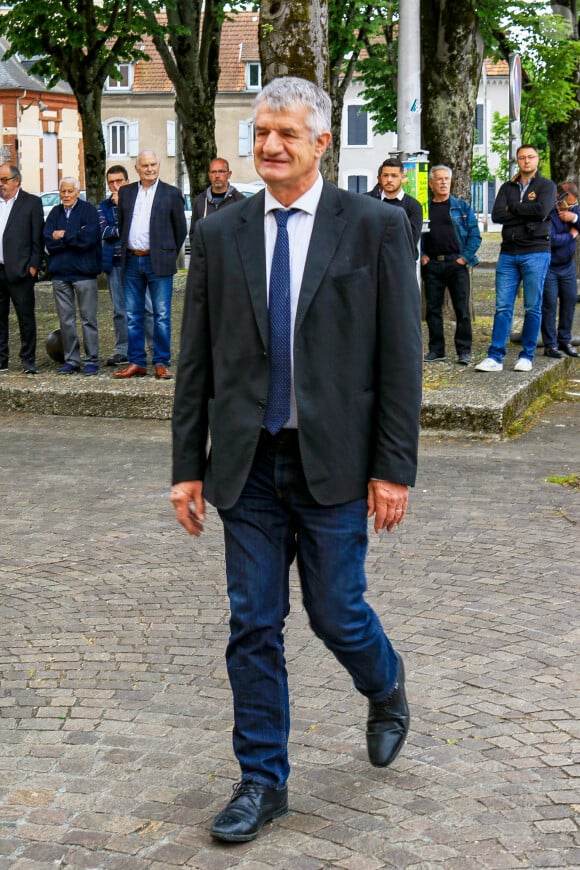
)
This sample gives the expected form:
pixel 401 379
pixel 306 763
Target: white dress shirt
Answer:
pixel 139 230
pixel 299 232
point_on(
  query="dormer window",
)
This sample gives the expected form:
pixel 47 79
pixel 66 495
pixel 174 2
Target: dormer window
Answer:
pixel 125 80
pixel 253 76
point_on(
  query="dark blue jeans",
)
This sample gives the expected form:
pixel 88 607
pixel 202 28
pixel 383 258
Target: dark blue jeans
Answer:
pixel 274 520
pixel 139 278
pixel 560 285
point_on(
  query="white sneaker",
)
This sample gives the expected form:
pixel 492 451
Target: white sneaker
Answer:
pixel 523 365
pixel 489 365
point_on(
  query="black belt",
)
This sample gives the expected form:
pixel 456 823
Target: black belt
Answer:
pixel 446 258
pixel 284 438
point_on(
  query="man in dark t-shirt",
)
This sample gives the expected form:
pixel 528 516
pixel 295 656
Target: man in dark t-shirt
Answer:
pixel 447 250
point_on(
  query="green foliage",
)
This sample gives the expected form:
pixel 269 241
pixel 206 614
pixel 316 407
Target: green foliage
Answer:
pixel 500 143
pixel 80 43
pixel 479 169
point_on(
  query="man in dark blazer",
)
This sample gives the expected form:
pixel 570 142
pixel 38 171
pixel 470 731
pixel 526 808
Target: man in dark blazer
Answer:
pixel 21 248
pixel 301 356
pixel 152 228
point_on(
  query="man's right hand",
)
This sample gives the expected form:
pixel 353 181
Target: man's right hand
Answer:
pixel 189 505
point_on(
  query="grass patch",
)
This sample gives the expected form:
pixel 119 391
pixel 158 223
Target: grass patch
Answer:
pixel 570 481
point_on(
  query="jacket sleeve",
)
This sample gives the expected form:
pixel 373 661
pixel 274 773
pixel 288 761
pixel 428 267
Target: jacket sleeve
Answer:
pixel 49 227
pixel 473 242
pixel 87 232
pixel 500 213
pixel 108 228
pixel 541 207
pixel 178 218
pixel 36 234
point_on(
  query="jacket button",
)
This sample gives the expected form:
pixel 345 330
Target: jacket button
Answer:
pixel 261 405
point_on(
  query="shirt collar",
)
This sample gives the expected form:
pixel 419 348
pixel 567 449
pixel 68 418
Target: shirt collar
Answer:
pixel 399 196
pixel 308 202
pixel 12 198
pixel 151 189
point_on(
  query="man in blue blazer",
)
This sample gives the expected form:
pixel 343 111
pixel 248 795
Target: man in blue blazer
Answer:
pixel 152 228
pixel 21 248
pixel 301 355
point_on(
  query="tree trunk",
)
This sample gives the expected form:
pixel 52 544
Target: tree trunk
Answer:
pixel 190 55
pixel 452 57
pixel 95 155
pixel 294 41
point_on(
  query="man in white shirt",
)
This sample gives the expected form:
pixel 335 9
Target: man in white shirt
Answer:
pixel 152 228
pixel 301 355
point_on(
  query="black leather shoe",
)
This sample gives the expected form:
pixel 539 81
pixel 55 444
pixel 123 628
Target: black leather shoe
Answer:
pixel 251 806
pixel 569 349
pixel 388 723
pixel 553 352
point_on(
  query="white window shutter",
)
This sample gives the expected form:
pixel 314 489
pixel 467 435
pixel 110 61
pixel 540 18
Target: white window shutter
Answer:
pixel 170 138
pixel 133 138
pixel 244 144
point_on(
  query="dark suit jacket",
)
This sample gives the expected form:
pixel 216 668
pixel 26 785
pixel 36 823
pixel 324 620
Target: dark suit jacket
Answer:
pixel 167 230
pixel 23 239
pixel 357 351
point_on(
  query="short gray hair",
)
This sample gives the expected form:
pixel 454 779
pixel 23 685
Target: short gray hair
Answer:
pixel 68 179
pixel 288 91
pixel 437 168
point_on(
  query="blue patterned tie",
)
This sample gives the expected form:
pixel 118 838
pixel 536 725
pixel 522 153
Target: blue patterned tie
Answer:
pixel 278 402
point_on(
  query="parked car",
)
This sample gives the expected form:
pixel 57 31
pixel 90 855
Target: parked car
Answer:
pixel 52 198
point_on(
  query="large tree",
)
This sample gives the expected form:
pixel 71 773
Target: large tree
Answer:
pixel 564 134
pixel 188 41
pixel 81 43
pixel 293 40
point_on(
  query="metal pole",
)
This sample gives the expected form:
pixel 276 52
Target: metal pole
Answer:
pixel 409 79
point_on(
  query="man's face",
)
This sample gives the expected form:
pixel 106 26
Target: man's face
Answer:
pixel 219 175
pixel 528 161
pixel 566 202
pixel 440 184
pixel 390 180
pixel 8 184
pixel 68 194
pixel 284 154
pixel 147 167
pixel 115 180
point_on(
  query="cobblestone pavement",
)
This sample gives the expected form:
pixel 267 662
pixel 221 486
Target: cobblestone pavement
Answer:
pixel 115 712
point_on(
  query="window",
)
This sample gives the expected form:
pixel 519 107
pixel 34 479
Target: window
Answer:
pixel 253 76
pixel 125 82
pixel 121 138
pixel 479 128
pixel 357 130
pixel 357 183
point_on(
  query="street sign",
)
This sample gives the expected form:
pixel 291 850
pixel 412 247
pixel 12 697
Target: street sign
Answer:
pixel 515 86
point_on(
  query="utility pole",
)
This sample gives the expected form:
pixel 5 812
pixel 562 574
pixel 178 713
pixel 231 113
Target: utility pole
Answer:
pixel 409 79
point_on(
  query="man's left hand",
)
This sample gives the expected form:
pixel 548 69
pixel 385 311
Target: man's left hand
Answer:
pixel 388 502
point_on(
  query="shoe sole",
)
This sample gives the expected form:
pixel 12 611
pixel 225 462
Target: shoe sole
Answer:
pixel 245 838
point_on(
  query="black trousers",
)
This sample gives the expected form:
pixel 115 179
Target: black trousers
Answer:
pixel 22 295
pixel 437 276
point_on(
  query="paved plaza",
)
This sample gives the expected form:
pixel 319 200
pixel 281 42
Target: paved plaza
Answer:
pixel 115 710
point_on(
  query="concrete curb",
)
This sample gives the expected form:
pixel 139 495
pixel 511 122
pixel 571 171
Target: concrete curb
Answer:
pixel 469 402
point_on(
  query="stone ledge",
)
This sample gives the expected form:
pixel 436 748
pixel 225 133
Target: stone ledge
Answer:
pixel 474 403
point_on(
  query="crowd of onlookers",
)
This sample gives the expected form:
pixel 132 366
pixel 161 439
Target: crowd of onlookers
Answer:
pixel 135 235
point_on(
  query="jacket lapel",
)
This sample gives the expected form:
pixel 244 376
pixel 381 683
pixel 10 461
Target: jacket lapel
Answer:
pixel 251 248
pixel 15 210
pixel 329 226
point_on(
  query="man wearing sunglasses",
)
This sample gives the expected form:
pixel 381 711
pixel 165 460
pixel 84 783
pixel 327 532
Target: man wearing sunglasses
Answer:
pixel 219 193
pixel 21 248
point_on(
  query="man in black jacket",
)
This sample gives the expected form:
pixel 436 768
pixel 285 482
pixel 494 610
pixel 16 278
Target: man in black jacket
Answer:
pixel 523 207
pixel 219 193
pixel 21 247
pixel 389 189
pixel 301 353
